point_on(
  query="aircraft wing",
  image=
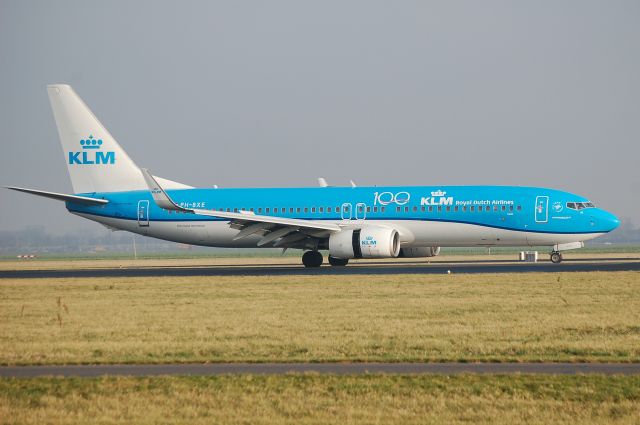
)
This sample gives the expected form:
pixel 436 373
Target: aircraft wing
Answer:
pixel 279 231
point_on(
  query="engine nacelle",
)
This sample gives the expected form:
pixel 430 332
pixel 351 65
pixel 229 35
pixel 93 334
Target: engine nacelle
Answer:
pixel 430 251
pixel 368 242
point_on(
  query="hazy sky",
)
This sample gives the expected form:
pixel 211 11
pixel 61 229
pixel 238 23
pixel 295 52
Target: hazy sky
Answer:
pixel 272 93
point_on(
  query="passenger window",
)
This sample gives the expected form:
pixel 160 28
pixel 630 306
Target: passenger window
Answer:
pixel 313 209
pixel 423 208
pixel 337 209
pixel 291 210
pixel 406 209
pixel 472 208
pixel 464 208
pixel 510 208
pixel 439 209
pixel 368 209
pixel 504 208
pixel 519 208
pixel 375 209
pixel 305 210
pixel 415 209
pixel 235 210
pixel 321 209
pixel 398 209
pixel 267 210
pixel 382 209
pixel 455 209
pixel 260 210
pixel 448 209
pixel 430 209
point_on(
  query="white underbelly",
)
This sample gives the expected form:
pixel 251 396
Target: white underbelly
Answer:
pixel 413 233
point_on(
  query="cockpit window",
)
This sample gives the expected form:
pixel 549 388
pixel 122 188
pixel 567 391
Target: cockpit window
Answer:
pixel 579 205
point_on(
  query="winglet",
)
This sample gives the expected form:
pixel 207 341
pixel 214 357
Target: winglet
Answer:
pixel 160 197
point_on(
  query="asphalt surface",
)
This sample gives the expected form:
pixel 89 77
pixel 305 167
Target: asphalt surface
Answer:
pixel 379 268
pixel 328 368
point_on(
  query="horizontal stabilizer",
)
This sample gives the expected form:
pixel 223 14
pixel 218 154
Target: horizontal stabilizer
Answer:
pixel 61 196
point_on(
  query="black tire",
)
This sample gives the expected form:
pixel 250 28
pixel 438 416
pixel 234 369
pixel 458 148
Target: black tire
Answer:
pixel 338 262
pixel 312 259
pixel 556 257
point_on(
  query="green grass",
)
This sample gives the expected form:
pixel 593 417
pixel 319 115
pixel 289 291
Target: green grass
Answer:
pixel 307 399
pixel 507 317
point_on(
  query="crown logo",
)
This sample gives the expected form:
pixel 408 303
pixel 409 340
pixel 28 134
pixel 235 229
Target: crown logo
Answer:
pixel 438 193
pixel 91 143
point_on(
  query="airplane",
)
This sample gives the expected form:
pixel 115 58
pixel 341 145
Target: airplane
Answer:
pixel 348 222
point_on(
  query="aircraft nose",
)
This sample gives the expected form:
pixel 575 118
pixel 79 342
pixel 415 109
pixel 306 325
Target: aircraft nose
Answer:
pixel 609 221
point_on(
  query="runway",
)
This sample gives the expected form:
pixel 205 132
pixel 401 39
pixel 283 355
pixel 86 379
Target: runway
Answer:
pixel 368 268
pixel 322 368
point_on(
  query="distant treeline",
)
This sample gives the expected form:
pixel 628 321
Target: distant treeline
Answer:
pixel 35 239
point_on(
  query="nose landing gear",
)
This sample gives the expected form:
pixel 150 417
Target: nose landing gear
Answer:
pixel 556 257
pixel 312 259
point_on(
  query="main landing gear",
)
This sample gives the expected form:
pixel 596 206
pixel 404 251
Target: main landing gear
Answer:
pixel 312 259
pixel 338 262
pixel 556 257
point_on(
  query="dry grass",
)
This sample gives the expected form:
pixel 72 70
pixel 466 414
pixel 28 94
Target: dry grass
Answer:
pixel 307 399
pixel 538 317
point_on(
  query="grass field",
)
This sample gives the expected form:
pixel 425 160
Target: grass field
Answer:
pixel 506 317
pixel 306 399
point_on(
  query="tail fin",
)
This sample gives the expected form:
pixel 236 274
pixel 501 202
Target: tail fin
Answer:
pixel 95 161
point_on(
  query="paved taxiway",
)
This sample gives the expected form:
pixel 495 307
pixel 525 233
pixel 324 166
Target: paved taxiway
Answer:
pixel 330 368
pixel 364 268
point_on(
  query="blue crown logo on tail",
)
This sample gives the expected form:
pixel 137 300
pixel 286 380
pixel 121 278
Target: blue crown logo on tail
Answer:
pixel 86 158
pixel 91 143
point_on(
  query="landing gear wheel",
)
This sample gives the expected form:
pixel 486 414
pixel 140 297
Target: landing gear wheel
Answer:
pixel 312 259
pixel 338 262
pixel 556 257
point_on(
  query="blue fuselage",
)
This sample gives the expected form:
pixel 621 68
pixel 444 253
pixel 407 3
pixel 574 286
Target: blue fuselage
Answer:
pixel 523 209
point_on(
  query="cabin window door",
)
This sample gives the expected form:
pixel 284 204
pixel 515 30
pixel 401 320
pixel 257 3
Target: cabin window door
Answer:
pixel 345 211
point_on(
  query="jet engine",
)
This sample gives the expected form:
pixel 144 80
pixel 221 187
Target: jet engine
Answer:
pixel 368 242
pixel 430 251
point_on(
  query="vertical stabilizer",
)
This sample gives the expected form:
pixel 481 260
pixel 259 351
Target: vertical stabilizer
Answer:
pixel 95 161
